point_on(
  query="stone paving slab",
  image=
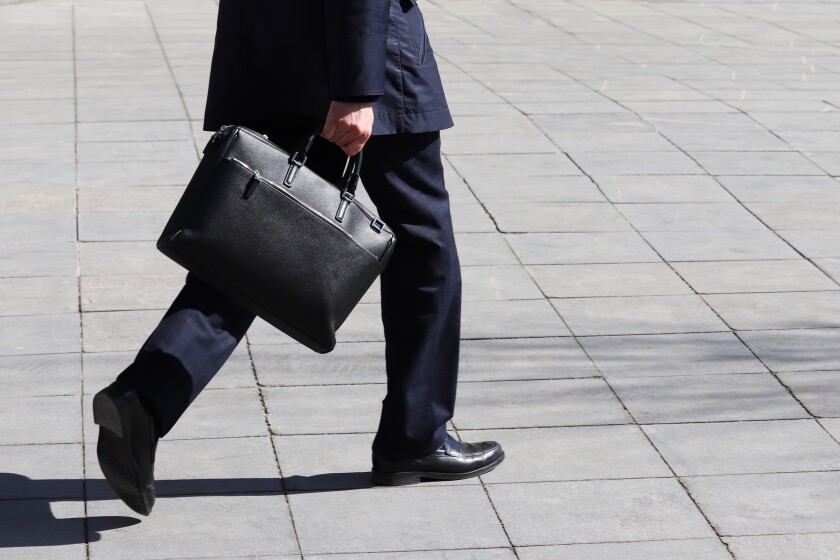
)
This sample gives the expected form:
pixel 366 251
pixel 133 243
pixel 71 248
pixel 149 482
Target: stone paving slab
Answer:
pixel 584 453
pixel 813 242
pixel 458 554
pixel 689 217
pixel 602 280
pixel 560 217
pixel 537 189
pixel 816 390
pixel 38 200
pixel 670 354
pixel 761 504
pixel 110 258
pixel 795 350
pixel 114 331
pixel 723 245
pixel 777 311
pixel 637 315
pixel 707 398
pixel 128 199
pixel 439 518
pixel 831 267
pixel 745 447
pixel 525 404
pixel 52 228
pixel 37 258
pixel 502 283
pixel 727 277
pixel 56 374
pixel 694 549
pixel 290 409
pixel 825 546
pixel 588 511
pixel 253 525
pixel 662 189
pixel 134 292
pixel 484 249
pixel 39 471
pixel 783 189
pixel 122 226
pixel 581 248
pixel 39 334
pixel 40 420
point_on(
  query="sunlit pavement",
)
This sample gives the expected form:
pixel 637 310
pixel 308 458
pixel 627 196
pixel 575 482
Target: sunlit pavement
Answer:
pixel 648 217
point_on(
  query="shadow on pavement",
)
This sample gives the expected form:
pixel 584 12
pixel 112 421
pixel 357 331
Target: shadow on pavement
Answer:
pixel 27 519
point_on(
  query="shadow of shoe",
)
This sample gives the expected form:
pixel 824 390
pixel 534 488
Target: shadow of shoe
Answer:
pixel 328 482
pixel 30 522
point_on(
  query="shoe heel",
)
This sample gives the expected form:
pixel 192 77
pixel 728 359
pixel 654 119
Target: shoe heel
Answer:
pixel 395 479
pixel 106 413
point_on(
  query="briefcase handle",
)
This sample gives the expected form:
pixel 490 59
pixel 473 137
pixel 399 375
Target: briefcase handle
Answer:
pixel 349 177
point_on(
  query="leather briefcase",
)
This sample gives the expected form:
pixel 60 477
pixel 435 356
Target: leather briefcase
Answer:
pixel 291 247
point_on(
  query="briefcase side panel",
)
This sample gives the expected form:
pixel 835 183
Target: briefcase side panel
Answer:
pixel 321 345
pixel 271 162
pixel 317 273
pixel 197 237
pixel 214 153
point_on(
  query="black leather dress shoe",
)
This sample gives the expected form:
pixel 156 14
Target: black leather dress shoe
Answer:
pixel 455 460
pixel 127 443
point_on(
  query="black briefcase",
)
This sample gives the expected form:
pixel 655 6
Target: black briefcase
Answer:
pixel 291 247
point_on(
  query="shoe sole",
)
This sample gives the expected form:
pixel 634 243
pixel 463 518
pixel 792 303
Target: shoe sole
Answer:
pixel 415 477
pixel 115 458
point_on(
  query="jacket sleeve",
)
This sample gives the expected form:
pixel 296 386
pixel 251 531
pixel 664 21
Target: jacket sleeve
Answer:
pixel 357 35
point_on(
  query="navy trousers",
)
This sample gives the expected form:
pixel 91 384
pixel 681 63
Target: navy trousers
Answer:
pixel 421 302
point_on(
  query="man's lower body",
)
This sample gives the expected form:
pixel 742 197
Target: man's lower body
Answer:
pixel 421 312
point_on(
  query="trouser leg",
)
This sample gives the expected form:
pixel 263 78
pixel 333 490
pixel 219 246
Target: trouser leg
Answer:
pixel 188 347
pixel 421 292
pixel 421 304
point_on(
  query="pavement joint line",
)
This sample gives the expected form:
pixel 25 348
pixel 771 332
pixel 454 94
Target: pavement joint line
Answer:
pixel 743 204
pixel 273 444
pixel 657 252
pixel 774 23
pixel 635 421
pixel 481 481
pixel 792 394
pixel 86 523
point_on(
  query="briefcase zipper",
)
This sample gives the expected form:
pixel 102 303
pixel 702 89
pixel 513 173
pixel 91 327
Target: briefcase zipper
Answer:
pixel 216 136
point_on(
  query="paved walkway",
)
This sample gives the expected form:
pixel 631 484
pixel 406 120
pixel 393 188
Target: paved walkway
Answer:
pixel 648 214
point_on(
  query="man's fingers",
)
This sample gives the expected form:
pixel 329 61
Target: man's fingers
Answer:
pixel 347 135
pixel 329 130
pixel 354 147
pixel 348 126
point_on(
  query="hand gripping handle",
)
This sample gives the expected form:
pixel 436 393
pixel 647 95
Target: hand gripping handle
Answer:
pixel 352 169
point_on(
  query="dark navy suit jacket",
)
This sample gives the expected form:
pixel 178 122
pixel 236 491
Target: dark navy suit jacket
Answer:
pixel 276 58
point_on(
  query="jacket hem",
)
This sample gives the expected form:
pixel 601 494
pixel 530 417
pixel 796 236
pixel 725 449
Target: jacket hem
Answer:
pixel 411 121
